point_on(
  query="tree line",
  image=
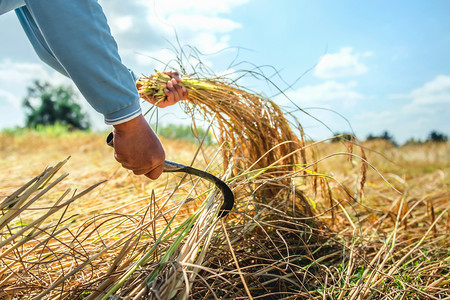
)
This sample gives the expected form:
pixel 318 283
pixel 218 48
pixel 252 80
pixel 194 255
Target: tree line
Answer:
pixel 434 136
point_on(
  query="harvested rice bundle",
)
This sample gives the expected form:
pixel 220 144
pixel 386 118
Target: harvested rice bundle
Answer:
pixel 255 126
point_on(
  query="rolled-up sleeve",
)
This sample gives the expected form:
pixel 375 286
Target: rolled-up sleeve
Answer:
pixel 74 38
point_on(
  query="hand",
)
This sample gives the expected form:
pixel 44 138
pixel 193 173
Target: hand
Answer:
pixel 174 91
pixel 138 148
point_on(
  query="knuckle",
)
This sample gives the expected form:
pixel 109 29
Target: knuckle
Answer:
pixel 139 172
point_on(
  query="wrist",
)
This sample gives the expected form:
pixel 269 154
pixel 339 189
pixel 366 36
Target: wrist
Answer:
pixel 124 114
pixel 130 124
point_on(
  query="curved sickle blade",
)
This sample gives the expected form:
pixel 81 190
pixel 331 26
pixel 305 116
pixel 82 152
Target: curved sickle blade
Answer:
pixel 170 167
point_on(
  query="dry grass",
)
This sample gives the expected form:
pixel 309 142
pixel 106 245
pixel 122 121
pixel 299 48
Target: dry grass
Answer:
pixel 311 221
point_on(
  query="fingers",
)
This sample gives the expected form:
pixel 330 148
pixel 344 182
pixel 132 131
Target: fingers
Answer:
pixel 173 85
pixel 174 75
pixel 155 173
pixel 179 92
pixel 174 93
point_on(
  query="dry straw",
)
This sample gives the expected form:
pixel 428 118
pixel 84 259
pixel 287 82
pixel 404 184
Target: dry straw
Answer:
pixel 271 246
pixel 258 137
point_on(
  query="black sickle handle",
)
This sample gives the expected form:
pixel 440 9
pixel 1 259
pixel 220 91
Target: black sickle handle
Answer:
pixel 169 166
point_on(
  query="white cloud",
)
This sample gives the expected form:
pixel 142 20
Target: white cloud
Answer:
pixel 437 91
pixel 14 73
pixel 123 24
pixel 328 93
pixel 142 28
pixel 200 23
pixel 8 98
pixel 212 43
pixel 427 108
pixel 209 7
pixel 14 78
pixel 345 63
pixel 154 59
pixel 432 97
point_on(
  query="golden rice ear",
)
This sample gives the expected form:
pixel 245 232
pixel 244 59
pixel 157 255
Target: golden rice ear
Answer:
pixel 151 88
pixel 253 125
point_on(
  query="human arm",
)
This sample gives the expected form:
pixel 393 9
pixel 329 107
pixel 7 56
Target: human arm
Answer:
pixel 74 38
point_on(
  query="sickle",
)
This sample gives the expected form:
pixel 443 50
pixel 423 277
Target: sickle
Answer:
pixel 169 166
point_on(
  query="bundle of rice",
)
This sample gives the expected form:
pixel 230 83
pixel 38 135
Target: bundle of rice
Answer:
pixel 260 140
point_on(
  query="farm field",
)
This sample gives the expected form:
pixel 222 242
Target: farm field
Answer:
pixel 328 239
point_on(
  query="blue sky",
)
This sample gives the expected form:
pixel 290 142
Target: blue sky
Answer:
pixel 383 65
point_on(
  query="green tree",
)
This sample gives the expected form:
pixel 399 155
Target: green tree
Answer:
pixel 384 136
pixel 437 137
pixel 340 137
pixel 47 105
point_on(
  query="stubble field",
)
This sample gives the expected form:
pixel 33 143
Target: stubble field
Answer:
pixel 130 236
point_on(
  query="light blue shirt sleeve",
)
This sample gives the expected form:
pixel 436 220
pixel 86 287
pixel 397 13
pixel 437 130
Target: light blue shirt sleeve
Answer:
pixel 74 38
pixel 8 5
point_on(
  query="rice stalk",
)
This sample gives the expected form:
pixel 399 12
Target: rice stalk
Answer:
pixel 248 123
pixel 22 240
